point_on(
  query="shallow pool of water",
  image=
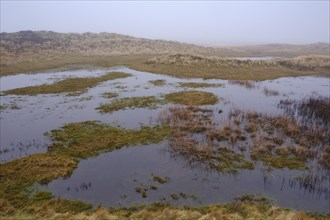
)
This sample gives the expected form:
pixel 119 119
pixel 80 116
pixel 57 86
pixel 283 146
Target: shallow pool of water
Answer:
pixel 112 178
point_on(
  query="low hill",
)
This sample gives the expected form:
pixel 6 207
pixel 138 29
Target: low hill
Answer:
pixel 36 50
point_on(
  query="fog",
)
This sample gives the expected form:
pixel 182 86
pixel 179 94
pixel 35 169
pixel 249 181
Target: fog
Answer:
pixel 210 22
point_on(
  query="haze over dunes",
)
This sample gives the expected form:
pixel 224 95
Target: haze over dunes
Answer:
pixel 38 50
pixel 26 45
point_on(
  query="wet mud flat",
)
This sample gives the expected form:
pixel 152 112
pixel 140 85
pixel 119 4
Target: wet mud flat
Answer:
pixel 150 138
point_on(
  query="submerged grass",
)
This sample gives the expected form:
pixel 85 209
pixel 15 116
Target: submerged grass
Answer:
pixel 109 95
pixel 72 85
pixel 150 102
pixel 192 98
pixel 200 85
pixel 158 82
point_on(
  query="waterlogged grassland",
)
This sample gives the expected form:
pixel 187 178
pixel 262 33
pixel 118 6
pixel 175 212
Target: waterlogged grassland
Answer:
pixel 191 66
pixel 71 85
pixel 229 69
pixel 72 142
pixel 192 98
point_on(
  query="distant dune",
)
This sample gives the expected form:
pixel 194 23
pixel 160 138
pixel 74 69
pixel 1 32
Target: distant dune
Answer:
pixel 25 45
pixel 38 50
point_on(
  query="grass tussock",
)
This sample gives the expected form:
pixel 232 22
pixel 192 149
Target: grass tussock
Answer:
pixel 71 85
pixel 192 98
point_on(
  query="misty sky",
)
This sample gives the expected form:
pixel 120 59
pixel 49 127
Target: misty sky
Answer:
pixel 207 22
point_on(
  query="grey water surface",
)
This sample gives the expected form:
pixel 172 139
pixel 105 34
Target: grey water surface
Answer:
pixel 112 178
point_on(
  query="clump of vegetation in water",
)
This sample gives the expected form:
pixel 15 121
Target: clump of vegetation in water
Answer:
pixel 71 85
pixel 200 85
pixel 192 98
pixel 160 180
pixel 149 102
pixel 85 139
pixel 109 95
pixel 158 82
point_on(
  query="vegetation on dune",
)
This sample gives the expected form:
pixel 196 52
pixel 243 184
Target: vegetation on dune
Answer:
pixel 72 85
pixel 192 98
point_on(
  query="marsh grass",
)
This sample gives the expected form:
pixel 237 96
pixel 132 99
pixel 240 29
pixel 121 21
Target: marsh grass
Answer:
pixel 200 85
pixel 192 98
pixel 75 86
pixel 277 141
